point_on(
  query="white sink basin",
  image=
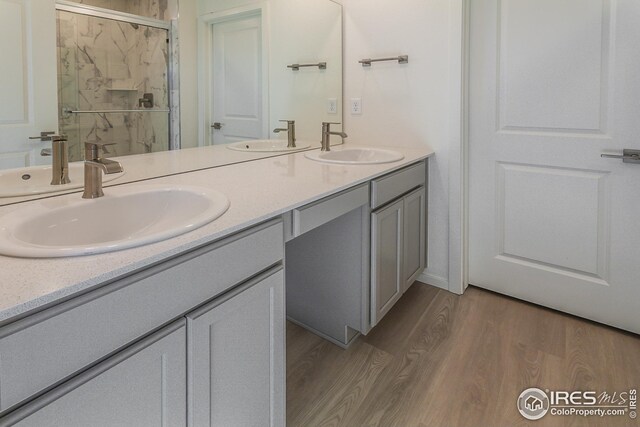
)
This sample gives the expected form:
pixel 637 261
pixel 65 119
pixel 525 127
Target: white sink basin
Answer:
pixel 266 146
pixel 127 216
pixel 356 156
pixel 37 180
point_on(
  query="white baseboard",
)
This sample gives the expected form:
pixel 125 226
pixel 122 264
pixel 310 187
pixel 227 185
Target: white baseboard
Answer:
pixel 433 280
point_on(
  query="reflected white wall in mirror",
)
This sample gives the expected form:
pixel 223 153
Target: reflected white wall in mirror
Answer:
pixel 246 86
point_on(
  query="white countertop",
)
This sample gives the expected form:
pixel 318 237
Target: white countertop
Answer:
pixel 140 167
pixel 258 190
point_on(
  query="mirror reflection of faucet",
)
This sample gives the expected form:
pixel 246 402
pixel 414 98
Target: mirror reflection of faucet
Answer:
pixel 291 132
pixel 60 159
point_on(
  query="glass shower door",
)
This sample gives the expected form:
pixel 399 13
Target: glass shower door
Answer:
pixel 113 84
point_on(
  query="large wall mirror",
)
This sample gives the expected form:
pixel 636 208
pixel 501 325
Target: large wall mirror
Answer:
pixel 152 76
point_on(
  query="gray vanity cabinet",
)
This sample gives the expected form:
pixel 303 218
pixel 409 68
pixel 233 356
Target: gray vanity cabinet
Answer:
pixel 107 358
pixel 236 356
pixel 415 234
pixel 387 276
pixel 144 385
pixel 398 236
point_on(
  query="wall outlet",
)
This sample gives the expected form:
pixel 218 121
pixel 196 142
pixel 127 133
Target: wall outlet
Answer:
pixel 332 106
pixel 356 106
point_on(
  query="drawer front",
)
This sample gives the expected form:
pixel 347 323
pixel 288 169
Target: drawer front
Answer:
pixel 316 214
pixel 392 186
pixel 143 385
pixel 43 349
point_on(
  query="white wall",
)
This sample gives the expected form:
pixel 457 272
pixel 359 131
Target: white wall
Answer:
pixel 188 40
pixel 297 31
pixel 305 31
pixel 405 105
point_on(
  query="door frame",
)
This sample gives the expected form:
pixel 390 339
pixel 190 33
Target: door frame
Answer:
pixel 205 34
pixel 459 146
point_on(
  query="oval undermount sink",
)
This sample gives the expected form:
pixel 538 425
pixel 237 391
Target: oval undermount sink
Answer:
pixel 267 146
pixel 37 180
pixel 125 217
pixel 356 156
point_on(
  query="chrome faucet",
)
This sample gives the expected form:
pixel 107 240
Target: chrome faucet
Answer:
pixel 94 166
pixel 60 159
pixel 326 135
pixel 291 132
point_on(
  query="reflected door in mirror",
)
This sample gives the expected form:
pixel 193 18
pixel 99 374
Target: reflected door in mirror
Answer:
pixel 27 80
pixel 236 80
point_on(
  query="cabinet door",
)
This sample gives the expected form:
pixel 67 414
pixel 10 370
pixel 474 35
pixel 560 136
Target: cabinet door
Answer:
pixel 143 385
pixel 414 236
pixel 386 259
pixel 236 356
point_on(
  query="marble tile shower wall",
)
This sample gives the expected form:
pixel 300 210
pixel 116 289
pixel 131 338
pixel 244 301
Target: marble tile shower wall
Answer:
pixel 108 65
pixel 149 8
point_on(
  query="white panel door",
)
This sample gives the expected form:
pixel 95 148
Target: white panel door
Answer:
pixel 554 84
pixel 28 88
pixel 236 98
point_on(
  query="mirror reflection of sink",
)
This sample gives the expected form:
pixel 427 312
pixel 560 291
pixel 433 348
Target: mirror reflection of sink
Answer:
pixel 356 156
pixel 127 216
pixel 266 145
pixel 37 180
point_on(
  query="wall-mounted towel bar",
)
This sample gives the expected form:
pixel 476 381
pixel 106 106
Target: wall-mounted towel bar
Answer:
pixel 296 67
pixel 402 59
pixel 70 111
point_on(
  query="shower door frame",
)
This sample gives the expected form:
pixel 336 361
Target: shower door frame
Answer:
pixel 172 66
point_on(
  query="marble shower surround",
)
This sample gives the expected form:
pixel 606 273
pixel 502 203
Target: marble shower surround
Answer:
pixel 108 65
pixel 156 9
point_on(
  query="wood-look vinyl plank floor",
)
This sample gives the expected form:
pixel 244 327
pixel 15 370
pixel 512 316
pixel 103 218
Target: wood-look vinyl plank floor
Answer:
pixel 442 360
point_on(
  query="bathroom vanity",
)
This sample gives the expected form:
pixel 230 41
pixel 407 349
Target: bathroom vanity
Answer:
pixel 191 330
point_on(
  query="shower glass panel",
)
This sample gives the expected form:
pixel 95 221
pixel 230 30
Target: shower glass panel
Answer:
pixel 106 68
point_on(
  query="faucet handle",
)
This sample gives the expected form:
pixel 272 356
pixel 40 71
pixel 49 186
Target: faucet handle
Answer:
pixel 331 123
pixel 92 149
pixel 287 121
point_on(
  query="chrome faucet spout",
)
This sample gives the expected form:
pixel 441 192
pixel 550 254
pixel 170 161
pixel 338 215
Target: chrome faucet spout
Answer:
pixel 326 135
pixel 107 166
pixel 94 167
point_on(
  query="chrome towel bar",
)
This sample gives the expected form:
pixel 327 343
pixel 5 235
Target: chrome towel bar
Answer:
pixel 296 67
pixel 402 59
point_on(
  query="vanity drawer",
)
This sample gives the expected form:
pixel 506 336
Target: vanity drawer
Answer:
pixel 41 350
pixel 390 187
pixel 315 214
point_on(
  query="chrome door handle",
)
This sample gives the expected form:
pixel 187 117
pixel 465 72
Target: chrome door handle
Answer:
pixel 217 125
pixel 627 156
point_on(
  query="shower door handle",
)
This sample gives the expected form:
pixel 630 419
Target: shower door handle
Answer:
pixel 217 125
pixel 627 156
